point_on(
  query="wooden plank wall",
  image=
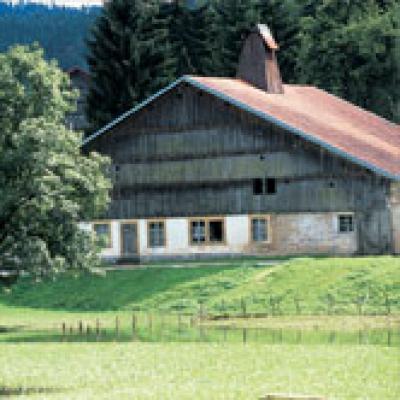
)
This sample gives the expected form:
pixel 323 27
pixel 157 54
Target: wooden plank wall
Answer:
pixel 189 154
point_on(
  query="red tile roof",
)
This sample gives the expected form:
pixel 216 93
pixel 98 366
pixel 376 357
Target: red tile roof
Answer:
pixel 328 120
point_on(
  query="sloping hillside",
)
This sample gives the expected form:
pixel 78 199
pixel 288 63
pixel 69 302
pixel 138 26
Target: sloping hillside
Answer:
pixel 298 286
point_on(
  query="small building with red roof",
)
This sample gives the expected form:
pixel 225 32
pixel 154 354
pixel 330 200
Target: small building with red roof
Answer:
pixel 249 165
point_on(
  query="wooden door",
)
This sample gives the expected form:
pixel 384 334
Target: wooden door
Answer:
pixel 129 239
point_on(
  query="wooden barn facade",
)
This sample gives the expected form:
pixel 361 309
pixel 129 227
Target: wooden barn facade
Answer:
pixel 248 165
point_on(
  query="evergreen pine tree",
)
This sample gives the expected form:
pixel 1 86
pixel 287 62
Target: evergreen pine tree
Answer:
pixel 235 20
pixel 282 17
pixel 204 44
pixel 129 58
pixel 190 34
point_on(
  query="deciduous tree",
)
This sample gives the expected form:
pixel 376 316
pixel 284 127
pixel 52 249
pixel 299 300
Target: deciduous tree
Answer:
pixel 47 185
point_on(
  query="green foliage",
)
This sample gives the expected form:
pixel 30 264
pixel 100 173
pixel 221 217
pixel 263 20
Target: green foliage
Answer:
pixel 318 286
pixel 283 18
pixel 47 186
pixel 129 58
pixel 352 50
pixel 192 32
pixel 235 20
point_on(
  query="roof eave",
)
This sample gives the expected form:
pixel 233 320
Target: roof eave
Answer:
pixel 290 128
pixel 266 117
pixel 133 110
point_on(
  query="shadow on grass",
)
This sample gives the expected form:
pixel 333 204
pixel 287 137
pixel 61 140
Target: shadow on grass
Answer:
pixel 114 291
pixel 375 337
pixel 11 329
pixel 24 391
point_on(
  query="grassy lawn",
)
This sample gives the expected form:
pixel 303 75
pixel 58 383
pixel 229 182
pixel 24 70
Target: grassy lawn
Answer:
pixel 197 371
pixel 305 286
pixel 329 357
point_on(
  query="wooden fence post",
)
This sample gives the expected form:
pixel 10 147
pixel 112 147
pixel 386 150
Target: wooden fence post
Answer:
pixel 116 326
pixel 97 329
pixel 244 335
pixel 133 324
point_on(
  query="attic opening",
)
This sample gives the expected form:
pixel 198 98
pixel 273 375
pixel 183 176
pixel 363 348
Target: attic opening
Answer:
pixel 264 186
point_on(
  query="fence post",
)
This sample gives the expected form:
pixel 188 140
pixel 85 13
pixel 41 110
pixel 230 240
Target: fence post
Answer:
pixel 80 327
pixel 117 326
pixel 64 329
pixel 97 329
pixel 387 304
pixel 243 306
pixel 133 324
pixel 244 335
pixel 297 305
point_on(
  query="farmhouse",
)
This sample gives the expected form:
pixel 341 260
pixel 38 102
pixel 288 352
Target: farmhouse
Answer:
pixel 249 165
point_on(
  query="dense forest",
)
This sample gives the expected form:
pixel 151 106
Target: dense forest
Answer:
pixel 60 31
pixel 135 47
pixel 350 49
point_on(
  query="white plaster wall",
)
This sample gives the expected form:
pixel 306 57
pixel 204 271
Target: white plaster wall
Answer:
pixel 237 231
pixel 177 240
pixel 290 234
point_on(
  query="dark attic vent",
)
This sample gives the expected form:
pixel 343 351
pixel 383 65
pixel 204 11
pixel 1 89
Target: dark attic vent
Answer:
pixel 258 64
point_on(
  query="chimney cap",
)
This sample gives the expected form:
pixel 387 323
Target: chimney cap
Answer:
pixel 264 31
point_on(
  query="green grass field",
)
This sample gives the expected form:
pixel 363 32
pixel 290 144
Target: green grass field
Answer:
pixel 37 362
pixel 298 286
pixel 196 371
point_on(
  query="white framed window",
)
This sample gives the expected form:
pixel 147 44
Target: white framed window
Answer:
pixel 210 230
pixel 260 228
pixel 102 230
pixel 156 233
pixel 346 223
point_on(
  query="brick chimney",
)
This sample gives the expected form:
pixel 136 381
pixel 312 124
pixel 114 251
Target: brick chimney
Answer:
pixel 258 64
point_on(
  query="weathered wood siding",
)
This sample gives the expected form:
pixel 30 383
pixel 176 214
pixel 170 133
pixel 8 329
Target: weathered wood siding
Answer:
pixel 189 153
pixel 395 215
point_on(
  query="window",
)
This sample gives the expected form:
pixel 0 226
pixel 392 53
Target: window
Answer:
pixel 216 231
pixel 258 187
pixel 260 229
pixel 156 233
pixel 346 223
pixel 264 186
pixel 102 231
pixel 198 231
pixel 270 185
pixel 207 231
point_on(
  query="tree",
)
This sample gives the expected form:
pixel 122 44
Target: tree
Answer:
pixel 129 58
pixel 235 20
pixel 282 17
pixel 191 32
pixel 47 185
pixel 351 50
